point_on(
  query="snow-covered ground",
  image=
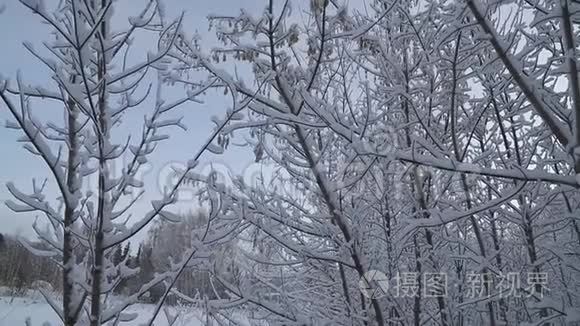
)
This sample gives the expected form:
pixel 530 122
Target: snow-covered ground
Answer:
pixel 15 311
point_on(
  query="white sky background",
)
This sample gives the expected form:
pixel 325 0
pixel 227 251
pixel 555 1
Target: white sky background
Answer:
pixel 18 24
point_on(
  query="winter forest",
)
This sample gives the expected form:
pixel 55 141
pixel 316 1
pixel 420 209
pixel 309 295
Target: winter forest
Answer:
pixel 419 164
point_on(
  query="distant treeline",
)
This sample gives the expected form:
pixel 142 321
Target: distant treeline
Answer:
pixel 19 268
pixel 22 269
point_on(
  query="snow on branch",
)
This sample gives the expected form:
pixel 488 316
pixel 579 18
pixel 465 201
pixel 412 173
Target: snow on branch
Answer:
pixel 531 88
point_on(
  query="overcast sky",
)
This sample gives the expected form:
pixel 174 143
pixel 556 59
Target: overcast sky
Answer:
pixel 18 24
